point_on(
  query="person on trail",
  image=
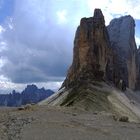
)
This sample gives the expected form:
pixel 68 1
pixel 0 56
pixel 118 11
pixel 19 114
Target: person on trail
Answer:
pixel 123 86
pixel 120 84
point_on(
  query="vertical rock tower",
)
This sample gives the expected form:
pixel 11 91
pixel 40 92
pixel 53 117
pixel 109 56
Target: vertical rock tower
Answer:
pixel 105 53
pixel 91 46
pixel 122 37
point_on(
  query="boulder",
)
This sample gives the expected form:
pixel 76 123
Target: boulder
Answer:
pixel 124 119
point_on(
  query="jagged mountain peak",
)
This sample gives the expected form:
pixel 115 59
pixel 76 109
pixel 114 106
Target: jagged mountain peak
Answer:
pixel 91 46
pixel 98 16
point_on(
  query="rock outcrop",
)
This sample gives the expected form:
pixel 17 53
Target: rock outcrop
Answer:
pixel 105 53
pixel 91 47
pixel 124 66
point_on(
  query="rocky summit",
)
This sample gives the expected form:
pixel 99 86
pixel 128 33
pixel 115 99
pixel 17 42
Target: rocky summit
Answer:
pixel 105 53
pixel 91 48
pixel 105 70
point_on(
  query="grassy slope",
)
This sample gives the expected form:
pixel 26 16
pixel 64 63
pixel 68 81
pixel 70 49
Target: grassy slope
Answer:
pixel 88 98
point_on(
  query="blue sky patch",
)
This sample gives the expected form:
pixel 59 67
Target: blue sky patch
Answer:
pixel 6 9
pixel 137 28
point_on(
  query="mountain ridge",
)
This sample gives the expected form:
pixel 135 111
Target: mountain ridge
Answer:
pixel 31 94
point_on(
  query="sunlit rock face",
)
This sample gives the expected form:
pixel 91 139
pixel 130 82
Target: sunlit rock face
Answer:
pixel 91 46
pixel 105 53
pixel 121 32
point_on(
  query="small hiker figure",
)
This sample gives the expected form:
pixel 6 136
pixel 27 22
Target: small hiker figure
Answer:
pixel 120 84
pixel 123 86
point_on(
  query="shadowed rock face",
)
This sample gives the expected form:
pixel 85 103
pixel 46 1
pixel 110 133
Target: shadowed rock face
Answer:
pixel 138 69
pixel 91 47
pixel 105 53
pixel 121 32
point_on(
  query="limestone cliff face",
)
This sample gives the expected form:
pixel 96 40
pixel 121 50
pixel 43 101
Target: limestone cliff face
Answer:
pixel 91 47
pixel 105 53
pixel 121 32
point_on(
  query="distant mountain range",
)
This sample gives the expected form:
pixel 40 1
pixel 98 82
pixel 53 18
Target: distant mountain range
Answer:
pixel 31 94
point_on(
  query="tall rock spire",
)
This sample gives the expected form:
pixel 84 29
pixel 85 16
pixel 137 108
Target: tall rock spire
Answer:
pixel 98 16
pixel 99 56
pixel 90 50
pixel 122 38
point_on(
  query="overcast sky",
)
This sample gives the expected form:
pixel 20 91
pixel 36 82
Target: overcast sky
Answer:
pixel 36 37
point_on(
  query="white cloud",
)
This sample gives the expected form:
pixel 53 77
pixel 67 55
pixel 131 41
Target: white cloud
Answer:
pixel 3 61
pixel 62 16
pixel 10 26
pixel 10 23
pixel 3 78
pixel 3 46
pixel 137 40
pixel 113 8
pixel 7 86
pixel 1 29
pixel 50 85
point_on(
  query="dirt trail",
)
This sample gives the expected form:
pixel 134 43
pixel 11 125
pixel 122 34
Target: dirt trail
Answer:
pixel 54 123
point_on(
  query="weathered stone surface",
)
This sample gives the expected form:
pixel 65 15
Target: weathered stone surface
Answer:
pixel 123 63
pixel 91 47
pixel 105 54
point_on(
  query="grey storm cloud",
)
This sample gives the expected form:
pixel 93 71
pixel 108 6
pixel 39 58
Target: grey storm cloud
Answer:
pixel 39 46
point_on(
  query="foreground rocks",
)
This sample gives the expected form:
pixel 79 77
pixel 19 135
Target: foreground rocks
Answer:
pixel 121 118
pixel 124 119
pixel 26 107
pixel 13 123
